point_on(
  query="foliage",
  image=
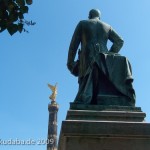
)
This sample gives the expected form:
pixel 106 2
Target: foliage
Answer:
pixel 12 15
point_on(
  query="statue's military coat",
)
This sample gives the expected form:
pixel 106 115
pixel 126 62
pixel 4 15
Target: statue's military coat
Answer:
pixel 93 36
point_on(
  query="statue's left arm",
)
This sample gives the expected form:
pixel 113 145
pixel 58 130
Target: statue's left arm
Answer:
pixel 116 40
pixel 76 39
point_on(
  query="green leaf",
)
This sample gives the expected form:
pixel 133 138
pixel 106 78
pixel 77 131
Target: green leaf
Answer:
pixel 24 9
pixel 2 29
pixel 20 15
pixel 20 27
pixel 29 2
pixel 2 26
pixel 11 6
pixel 6 2
pixel 12 28
pixel 20 2
pixel 3 15
pixel 2 5
pixel 13 16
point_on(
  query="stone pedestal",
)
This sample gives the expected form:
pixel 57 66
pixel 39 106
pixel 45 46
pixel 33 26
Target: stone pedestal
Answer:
pixel 96 127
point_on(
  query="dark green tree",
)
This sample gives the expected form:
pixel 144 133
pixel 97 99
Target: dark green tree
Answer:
pixel 12 15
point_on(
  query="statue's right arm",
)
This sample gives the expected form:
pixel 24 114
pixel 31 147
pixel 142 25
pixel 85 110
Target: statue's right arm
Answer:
pixel 116 40
pixel 76 39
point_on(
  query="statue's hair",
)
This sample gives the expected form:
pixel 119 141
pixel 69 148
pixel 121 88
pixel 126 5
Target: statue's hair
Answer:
pixel 94 13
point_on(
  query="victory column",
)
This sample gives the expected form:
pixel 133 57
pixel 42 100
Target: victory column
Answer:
pixel 52 124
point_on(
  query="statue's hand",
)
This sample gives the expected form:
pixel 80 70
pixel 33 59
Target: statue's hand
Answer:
pixel 74 67
pixel 70 66
pixel 112 53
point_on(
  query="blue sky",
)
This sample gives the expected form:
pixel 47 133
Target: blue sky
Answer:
pixel 29 61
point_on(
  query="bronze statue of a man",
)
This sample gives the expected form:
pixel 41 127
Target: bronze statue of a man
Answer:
pixel 104 76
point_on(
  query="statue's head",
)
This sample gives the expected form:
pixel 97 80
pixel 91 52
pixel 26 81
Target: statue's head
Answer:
pixel 94 13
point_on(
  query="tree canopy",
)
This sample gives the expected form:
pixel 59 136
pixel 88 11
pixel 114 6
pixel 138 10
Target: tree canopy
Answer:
pixel 12 15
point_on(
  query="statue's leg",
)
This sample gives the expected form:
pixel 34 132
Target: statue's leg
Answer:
pixel 85 91
pixel 95 82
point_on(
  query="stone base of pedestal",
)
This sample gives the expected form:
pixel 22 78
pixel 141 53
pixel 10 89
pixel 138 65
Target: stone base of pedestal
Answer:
pixel 104 129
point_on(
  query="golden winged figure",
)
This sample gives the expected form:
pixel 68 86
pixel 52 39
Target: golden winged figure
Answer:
pixel 54 91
